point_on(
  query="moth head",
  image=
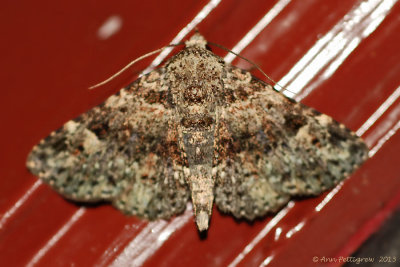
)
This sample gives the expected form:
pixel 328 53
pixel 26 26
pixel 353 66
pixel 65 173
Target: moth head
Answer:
pixel 197 40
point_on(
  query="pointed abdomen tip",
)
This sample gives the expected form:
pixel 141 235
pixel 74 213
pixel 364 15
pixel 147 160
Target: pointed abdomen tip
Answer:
pixel 202 219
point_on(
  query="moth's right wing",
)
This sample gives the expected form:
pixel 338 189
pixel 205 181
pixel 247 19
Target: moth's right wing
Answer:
pixel 275 148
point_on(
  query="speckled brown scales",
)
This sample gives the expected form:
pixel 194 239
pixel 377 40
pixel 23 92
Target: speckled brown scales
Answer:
pixel 197 128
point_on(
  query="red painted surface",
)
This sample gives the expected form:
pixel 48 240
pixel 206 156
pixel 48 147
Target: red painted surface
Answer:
pixel 51 54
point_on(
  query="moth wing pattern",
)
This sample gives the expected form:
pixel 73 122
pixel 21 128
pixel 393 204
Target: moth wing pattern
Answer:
pixel 200 129
pixel 272 148
pixel 123 151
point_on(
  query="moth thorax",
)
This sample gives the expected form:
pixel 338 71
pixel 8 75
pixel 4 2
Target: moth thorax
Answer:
pixel 194 77
pixel 197 94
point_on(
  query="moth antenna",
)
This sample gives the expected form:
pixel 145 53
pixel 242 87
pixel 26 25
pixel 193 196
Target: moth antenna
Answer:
pixel 251 62
pixel 131 63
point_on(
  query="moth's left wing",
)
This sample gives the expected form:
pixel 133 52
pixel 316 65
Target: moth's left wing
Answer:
pixel 272 148
pixel 124 151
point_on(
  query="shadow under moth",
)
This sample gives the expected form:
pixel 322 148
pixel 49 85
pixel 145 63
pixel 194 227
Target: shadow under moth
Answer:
pixel 197 129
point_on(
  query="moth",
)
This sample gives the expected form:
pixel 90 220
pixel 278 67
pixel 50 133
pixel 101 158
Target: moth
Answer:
pixel 197 129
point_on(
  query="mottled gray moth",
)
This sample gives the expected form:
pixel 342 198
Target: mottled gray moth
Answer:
pixel 197 129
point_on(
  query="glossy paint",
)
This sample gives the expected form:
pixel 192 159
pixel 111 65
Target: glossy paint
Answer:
pixel 340 57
